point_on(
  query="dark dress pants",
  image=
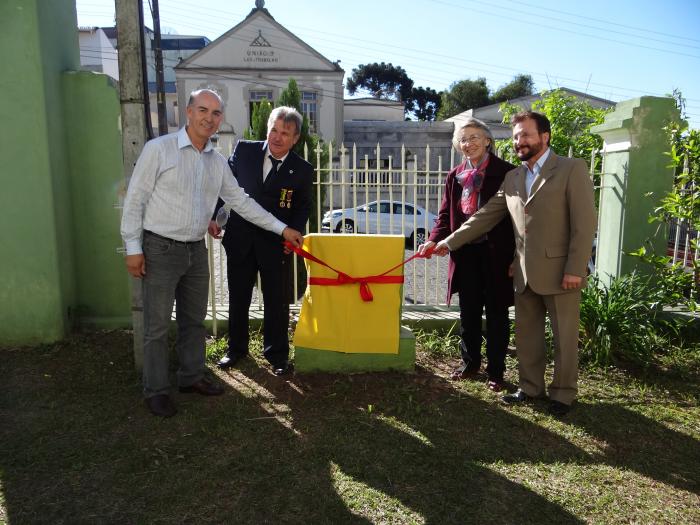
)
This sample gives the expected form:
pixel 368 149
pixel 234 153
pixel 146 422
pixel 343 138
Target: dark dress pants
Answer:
pixel 478 288
pixel 175 271
pixel 274 275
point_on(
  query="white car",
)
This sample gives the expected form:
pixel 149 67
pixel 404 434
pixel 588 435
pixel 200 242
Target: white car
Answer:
pixel 382 217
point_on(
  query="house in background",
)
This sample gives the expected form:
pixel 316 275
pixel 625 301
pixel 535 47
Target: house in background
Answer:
pixel 373 109
pixel 493 118
pixel 254 61
pixel 99 52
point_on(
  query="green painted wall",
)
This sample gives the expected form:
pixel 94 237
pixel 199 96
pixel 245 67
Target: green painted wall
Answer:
pixel 38 288
pixel 636 177
pixel 45 279
pixel 92 113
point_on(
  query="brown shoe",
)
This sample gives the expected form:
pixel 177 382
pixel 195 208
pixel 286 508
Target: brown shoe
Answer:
pixel 203 387
pixel 161 405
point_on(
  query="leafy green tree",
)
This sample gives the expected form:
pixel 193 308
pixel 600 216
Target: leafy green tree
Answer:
pixel 520 86
pixel 470 94
pixel 571 119
pixel 425 103
pixel 381 80
pixel 463 95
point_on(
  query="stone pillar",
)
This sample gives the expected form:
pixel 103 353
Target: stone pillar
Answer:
pixel 636 175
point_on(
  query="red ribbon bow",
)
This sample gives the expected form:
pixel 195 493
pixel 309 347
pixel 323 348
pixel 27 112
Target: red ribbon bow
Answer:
pixel 344 278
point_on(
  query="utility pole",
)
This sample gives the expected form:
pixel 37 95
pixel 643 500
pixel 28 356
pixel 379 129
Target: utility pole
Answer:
pixel 160 80
pixel 131 94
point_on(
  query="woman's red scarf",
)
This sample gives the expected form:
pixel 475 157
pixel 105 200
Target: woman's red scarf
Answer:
pixel 471 181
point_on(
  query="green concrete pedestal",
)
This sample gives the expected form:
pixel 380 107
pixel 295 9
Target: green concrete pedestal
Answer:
pixel 311 360
pixel 636 176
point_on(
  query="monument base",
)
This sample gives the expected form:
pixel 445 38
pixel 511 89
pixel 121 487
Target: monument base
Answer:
pixel 312 360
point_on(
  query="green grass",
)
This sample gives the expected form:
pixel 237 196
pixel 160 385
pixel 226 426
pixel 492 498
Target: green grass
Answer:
pixel 78 446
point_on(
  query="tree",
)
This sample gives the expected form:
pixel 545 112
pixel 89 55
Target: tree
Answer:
pixel 463 95
pixel 382 81
pixel 520 86
pixel 425 103
pixel 470 94
pixel 258 127
pixel 571 119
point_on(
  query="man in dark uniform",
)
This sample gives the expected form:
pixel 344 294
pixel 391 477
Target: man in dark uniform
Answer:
pixel 281 182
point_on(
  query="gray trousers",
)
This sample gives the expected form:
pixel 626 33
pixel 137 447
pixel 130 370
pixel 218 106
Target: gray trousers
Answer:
pixel 175 271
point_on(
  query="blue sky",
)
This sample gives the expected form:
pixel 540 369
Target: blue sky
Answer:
pixel 612 49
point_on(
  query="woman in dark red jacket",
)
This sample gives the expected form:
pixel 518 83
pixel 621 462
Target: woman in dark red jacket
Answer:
pixel 478 272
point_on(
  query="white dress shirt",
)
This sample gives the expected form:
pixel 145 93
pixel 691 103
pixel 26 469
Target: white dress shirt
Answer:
pixel 531 175
pixel 174 189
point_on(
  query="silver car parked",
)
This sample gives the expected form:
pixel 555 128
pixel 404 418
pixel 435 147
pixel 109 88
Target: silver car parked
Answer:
pixel 382 216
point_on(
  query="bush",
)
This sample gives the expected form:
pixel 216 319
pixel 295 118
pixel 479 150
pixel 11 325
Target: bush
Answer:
pixel 624 321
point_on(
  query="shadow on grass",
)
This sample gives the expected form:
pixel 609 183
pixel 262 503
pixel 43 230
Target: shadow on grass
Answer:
pixel 638 443
pixel 77 446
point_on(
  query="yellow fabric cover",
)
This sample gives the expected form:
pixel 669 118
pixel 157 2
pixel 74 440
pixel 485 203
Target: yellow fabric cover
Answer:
pixel 335 318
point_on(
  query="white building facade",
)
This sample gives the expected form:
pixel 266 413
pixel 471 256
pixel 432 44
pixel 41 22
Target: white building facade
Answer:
pixel 254 61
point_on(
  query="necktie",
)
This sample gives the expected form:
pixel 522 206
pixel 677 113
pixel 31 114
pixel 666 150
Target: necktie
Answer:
pixel 273 169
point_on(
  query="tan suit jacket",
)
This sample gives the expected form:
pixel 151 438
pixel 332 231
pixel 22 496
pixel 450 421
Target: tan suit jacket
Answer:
pixel 554 226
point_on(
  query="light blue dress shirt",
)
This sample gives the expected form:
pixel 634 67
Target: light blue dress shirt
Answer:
pixel 530 176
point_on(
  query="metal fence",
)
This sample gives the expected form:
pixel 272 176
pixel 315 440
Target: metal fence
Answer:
pixel 354 193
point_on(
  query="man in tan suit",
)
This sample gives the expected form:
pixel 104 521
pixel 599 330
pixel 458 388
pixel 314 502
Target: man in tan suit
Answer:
pixel 550 202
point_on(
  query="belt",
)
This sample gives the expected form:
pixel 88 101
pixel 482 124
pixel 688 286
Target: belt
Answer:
pixel 152 234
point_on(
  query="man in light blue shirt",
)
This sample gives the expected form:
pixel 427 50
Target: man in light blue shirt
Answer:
pixel 172 194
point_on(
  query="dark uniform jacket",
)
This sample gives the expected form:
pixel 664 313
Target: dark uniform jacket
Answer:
pixel 286 194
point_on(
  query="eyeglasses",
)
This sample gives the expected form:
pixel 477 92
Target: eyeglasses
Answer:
pixel 471 139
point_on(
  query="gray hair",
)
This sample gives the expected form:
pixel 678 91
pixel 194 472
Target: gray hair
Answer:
pixel 198 92
pixel 287 114
pixel 472 122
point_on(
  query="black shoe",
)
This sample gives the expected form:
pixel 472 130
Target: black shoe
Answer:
pixel 230 360
pixel 283 369
pixel 161 405
pixel 558 409
pixel 518 397
pixel 202 387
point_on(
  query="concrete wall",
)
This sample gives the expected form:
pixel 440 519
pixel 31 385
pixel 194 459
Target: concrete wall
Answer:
pixel 637 175
pixel 92 112
pixel 392 135
pixel 373 109
pixel 39 291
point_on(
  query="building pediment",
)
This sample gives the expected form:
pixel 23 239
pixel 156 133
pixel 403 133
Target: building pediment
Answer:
pixel 259 42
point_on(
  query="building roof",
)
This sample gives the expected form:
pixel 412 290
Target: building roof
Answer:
pixel 492 116
pixel 228 40
pixel 371 101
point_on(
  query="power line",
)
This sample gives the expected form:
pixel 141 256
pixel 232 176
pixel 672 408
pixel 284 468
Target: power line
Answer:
pixel 458 62
pixel 603 92
pixel 576 15
pixel 561 30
